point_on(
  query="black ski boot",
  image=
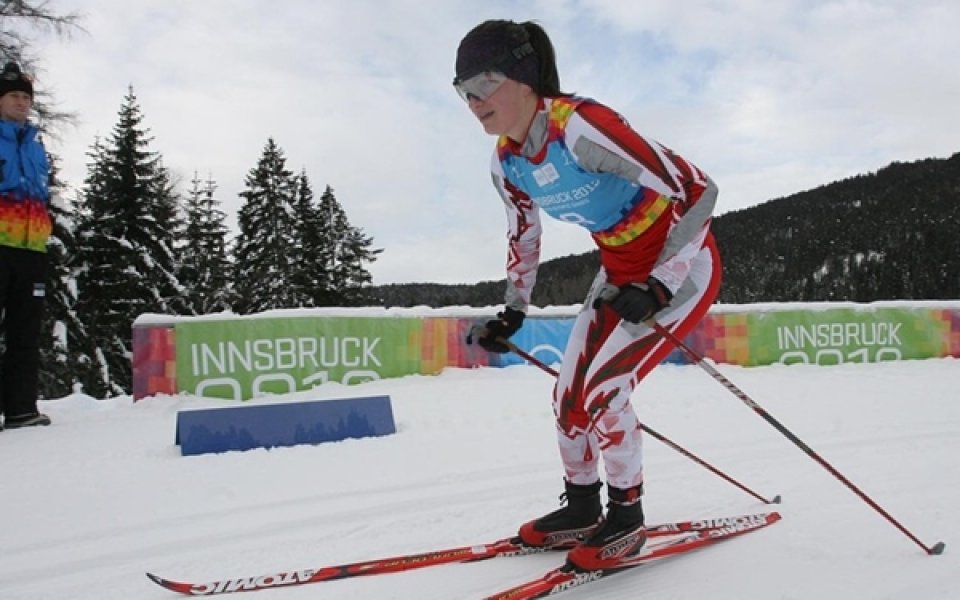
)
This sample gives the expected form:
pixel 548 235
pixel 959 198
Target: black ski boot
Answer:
pixel 567 526
pixel 620 536
pixel 28 420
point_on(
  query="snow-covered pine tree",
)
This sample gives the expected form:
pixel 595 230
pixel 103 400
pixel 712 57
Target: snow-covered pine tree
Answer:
pixel 204 263
pixel 355 252
pixel 126 228
pixel 62 357
pixel 311 275
pixel 266 246
pixel 348 250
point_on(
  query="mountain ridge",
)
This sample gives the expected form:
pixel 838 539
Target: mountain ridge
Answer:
pixel 891 234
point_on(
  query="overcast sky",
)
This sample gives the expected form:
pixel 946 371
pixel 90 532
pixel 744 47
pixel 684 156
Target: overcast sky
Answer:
pixel 769 98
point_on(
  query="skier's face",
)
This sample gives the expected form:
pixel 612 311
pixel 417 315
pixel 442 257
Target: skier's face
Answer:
pixel 15 106
pixel 507 111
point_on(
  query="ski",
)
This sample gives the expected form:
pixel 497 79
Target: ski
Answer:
pixel 511 546
pixel 568 577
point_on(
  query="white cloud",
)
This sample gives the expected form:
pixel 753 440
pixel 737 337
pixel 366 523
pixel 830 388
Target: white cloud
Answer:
pixel 769 98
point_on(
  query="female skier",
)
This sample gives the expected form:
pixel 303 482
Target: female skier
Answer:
pixel 648 211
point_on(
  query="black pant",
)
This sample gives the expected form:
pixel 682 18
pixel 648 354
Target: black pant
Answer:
pixel 23 277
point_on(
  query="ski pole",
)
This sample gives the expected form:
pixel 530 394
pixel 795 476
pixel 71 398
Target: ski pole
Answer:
pixel 699 360
pixel 544 367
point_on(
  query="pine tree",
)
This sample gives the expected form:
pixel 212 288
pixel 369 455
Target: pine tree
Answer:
pixel 347 250
pixel 310 279
pixel 37 15
pixel 204 263
pixel 61 352
pixel 18 21
pixel 126 228
pixel 267 235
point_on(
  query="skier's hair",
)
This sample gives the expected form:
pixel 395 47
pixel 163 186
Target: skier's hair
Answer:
pixel 548 83
pixel 522 51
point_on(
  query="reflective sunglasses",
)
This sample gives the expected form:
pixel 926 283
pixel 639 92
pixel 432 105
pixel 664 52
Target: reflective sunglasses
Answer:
pixel 481 86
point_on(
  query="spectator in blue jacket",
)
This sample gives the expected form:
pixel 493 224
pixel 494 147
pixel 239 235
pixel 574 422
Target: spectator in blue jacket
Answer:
pixel 25 227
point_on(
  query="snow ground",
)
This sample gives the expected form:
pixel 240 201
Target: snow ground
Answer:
pixel 103 495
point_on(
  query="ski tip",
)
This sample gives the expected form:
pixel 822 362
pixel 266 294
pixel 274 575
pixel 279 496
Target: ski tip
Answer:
pixel 776 500
pixel 174 586
pixel 937 549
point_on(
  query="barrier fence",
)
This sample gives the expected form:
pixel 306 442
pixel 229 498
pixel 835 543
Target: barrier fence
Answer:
pixel 242 357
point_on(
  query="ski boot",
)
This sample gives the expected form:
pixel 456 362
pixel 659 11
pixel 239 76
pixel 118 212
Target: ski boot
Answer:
pixel 570 525
pixel 620 535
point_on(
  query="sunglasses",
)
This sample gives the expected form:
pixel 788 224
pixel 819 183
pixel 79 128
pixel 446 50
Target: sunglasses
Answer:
pixel 479 87
pixel 482 85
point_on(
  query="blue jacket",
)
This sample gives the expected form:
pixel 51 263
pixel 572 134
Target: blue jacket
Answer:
pixel 24 188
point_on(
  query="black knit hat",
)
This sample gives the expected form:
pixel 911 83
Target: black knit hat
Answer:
pixel 12 79
pixel 498 46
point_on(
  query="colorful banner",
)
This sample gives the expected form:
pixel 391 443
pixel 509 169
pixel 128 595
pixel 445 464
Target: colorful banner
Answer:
pixel 844 335
pixel 543 339
pixel 242 359
pixel 251 356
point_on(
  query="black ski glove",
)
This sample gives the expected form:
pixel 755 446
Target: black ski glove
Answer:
pixel 506 324
pixel 638 302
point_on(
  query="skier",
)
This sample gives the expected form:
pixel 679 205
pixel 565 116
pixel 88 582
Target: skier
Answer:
pixel 648 211
pixel 24 228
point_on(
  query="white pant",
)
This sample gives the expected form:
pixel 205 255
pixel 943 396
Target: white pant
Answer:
pixel 604 360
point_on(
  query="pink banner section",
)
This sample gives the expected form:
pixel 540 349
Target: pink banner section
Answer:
pixel 952 319
pixel 721 337
pixel 154 361
pixel 441 342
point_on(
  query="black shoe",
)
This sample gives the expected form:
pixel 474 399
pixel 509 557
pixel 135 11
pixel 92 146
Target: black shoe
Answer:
pixel 26 421
pixel 620 536
pixel 568 526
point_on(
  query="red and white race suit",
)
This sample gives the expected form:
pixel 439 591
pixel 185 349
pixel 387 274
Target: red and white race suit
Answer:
pixel 649 212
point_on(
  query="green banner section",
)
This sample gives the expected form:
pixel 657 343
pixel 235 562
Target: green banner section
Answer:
pixel 837 336
pixel 245 358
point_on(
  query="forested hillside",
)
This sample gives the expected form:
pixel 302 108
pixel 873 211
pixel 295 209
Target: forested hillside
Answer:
pixel 893 234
